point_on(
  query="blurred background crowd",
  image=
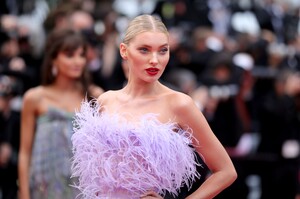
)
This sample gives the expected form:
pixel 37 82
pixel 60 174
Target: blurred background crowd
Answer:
pixel 238 59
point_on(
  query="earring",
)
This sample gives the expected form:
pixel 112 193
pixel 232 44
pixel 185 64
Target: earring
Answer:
pixel 54 71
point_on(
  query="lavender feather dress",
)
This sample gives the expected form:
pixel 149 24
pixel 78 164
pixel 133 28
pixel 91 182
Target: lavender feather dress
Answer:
pixel 114 158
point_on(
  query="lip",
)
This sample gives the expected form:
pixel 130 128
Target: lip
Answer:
pixel 152 71
pixel 77 68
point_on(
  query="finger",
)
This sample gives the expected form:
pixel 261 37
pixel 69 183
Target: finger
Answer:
pixel 150 194
pixel 151 197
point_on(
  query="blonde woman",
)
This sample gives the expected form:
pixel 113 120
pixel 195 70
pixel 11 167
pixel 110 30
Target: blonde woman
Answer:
pixel 138 144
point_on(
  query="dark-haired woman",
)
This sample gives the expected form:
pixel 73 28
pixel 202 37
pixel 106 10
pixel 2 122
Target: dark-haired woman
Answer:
pixel 46 119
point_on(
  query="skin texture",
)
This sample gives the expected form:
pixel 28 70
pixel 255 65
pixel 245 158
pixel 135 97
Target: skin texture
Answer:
pixel 145 94
pixel 37 101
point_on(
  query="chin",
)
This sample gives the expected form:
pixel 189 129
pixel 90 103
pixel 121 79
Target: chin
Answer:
pixel 76 75
pixel 152 80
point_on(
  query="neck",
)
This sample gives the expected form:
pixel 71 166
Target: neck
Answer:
pixel 144 89
pixel 66 84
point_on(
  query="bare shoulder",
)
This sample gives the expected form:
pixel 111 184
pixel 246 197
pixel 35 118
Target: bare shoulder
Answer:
pixel 34 95
pixel 179 101
pixel 107 96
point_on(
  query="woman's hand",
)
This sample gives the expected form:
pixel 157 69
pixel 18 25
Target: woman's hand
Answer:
pixel 150 195
pixel 5 154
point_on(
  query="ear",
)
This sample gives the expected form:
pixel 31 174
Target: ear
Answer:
pixel 123 51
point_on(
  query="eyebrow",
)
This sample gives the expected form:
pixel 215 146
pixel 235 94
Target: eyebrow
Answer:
pixel 149 46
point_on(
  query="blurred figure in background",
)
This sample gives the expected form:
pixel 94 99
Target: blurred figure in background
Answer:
pixel 9 135
pixel 16 76
pixel 279 130
pixel 46 120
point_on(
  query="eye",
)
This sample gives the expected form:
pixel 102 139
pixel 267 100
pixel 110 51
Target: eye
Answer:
pixel 69 54
pixel 143 50
pixel 163 50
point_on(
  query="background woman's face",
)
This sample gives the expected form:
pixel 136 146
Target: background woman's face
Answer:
pixel 147 55
pixel 70 64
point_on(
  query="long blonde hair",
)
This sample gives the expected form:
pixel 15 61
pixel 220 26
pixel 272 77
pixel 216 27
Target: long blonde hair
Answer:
pixel 143 23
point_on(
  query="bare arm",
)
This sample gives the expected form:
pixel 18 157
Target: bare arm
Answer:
pixel 215 156
pixel 26 142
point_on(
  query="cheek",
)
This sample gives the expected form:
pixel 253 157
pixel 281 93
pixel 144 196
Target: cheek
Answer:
pixel 83 62
pixel 164 60
pixel 136 59
pixel 62 61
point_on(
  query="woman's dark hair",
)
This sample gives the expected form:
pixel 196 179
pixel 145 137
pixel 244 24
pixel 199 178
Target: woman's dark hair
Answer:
pixel 63 40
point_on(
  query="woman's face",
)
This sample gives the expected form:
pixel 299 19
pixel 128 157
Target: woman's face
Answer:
pixel 70 64
pixel 147 55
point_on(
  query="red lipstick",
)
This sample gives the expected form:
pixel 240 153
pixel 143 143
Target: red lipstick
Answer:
pixel 152 71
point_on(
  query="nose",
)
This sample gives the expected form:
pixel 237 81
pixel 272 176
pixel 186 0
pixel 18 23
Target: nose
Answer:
pixel 154 59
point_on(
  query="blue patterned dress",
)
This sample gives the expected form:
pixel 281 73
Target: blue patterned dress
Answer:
pixel 51 157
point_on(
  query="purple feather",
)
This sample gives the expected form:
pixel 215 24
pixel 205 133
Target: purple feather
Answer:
pixel 116 158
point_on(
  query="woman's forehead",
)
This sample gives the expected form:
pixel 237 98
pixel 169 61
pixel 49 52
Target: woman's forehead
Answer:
pixel 151 37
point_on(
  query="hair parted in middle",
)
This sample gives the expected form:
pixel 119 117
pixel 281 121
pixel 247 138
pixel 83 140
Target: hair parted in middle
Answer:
pixel 144 23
